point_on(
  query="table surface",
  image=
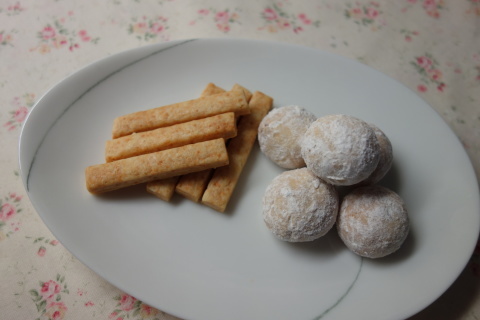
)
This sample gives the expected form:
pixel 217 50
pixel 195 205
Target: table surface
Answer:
pixel 431 46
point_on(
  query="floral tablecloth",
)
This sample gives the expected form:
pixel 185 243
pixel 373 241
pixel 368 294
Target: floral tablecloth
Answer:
pixel 431 46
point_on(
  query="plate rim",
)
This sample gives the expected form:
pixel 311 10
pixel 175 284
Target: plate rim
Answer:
pixel 89 67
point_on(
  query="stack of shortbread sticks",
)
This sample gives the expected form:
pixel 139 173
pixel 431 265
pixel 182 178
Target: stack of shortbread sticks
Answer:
pixel 197 148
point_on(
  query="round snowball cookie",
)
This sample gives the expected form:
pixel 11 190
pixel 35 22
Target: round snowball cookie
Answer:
pixel 373 221
pixel 385 157
pixel 280 132
pixel 340 149
pixel 299 207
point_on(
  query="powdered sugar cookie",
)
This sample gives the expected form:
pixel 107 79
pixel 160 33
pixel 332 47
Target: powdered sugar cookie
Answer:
pixel 385 157
pixel 280 132
pixel 373 221
pixel 340 149
pixel 298 206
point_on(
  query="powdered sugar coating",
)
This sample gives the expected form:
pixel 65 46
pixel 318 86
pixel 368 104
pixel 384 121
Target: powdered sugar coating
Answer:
pixel 280 133
pixel 298 206
pixel 373 221
pixel 340 149
pixel 385 157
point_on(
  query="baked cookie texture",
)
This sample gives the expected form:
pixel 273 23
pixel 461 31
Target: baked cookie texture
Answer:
pixel 280 134
pixel 373 221
pixel 385 160
pixel 340 149
pixel 298 206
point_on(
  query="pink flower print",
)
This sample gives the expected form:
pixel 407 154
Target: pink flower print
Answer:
pixel 50 289
pixel 429 71
pixel 15 197
pixel 424 62
pixel 41 251
pixel 6 38
pixel 54 242
pixel 356 12
pixel 432 7
pixel 422 88
pixel 278 18
pixel 14 9
pixel 223 27
pixel 270 14
pixel 434 14
pixel 84 35
pixel 283 24
pixel 89 304
pixel 56 311
pixel 149 28
pixel 429 4
pixel 435 74
pixel 48 33
pixel 48 298
pixel 20 114
pixel 156 28
pixel 140 27
pixel 73 46
pixel 146 311
pixel 368 14
pixel 56 36
pixel 222 17
pixel 372 13
pixel 297 29
pixel 409 34
pixel 303 17
pixel 7 211
pixel 127 302
pixel 44 48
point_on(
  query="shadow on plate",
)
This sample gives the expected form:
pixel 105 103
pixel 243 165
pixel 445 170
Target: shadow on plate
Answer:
pixel 459 300
pixel 134 193
pixel 390 181
pixel 241 187
pixel 328 245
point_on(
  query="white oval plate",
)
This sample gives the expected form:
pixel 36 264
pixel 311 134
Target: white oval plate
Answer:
pixel 195 263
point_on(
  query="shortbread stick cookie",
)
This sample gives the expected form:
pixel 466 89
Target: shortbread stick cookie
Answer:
pixel 192 185
pixel 248 94
pixel 211 89
pixel 218 126
pixel 230 101
pixel 224 180
pixel 165 188
pixel 158 165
